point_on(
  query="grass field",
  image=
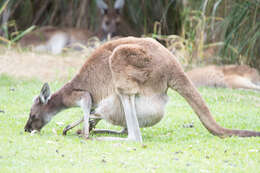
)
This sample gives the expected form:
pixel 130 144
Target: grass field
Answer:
pixel 169 146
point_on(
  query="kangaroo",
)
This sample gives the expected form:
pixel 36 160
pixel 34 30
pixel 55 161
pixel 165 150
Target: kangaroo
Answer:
pixel 228 76
pixel 125 81
pixel 52 39
pixel 112 23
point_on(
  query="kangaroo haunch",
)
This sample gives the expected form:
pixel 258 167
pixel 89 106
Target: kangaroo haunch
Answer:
pixel 126 81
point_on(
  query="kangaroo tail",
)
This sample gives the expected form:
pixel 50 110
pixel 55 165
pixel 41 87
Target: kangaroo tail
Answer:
pixel 183 85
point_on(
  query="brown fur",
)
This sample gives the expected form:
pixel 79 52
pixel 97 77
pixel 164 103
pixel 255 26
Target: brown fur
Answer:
pixel 139 67
pixel 230 76
pixel 38 36
pixel 115 24
pixel 43 35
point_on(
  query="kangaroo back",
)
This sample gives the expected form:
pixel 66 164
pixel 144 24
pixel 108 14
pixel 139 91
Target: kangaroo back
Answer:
pixel 210 76
pixel 243 71
pixel 39 36
pixel 230 76
pixel 53 39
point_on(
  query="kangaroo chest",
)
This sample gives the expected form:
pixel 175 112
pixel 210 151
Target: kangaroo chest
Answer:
pixel 149 109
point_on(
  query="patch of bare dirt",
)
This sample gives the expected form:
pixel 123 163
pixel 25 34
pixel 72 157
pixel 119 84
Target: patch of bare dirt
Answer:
pixel 43 66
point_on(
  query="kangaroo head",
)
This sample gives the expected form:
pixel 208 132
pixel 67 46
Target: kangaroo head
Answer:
pixel 111 17
pixel 40 113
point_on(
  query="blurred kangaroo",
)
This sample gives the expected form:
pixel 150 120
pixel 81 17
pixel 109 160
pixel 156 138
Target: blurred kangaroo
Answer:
pixel 125 81
pixel 54 39
pixel 228 76
pixel 112 23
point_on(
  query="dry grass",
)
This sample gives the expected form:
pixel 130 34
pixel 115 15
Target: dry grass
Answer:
pixel 42 66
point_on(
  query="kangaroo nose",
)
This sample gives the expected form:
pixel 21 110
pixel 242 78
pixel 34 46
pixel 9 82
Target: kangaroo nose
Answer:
pixel 27 129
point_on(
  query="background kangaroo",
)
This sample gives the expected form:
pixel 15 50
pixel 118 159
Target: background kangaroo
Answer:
pixel 230 76
pixel 112 23
pixel 54 39
pixel 126 81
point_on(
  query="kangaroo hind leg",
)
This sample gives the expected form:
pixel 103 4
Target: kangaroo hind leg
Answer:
pixel 130 66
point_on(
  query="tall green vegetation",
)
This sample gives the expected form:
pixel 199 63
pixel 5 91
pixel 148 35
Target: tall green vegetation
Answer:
pixel 241 30
pixel 231 26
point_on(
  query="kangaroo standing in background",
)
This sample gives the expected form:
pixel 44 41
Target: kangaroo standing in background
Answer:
pixel 53 39
pixel 228 76
pixel 112 23
pixel 126 81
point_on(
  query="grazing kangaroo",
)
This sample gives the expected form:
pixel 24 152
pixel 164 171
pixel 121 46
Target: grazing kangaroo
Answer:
pixel 126 82
pixel 52 39
pixel 229 76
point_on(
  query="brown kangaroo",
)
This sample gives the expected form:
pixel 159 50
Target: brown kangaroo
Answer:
pixel 112 23
pixel 126 82
pixel 53 39
pixel 228 76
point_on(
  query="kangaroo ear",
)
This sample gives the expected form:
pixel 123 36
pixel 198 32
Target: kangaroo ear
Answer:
pixel 119 4
pixel 102 5
pixel 45 93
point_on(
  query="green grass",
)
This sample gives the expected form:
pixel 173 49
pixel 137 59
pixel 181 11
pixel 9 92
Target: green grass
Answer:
pixel 169 146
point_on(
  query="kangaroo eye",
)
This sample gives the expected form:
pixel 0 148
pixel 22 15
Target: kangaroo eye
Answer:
pixel 33 116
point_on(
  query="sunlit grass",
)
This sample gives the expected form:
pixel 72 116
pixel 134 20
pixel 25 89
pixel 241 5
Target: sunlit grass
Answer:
pixel 169 147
